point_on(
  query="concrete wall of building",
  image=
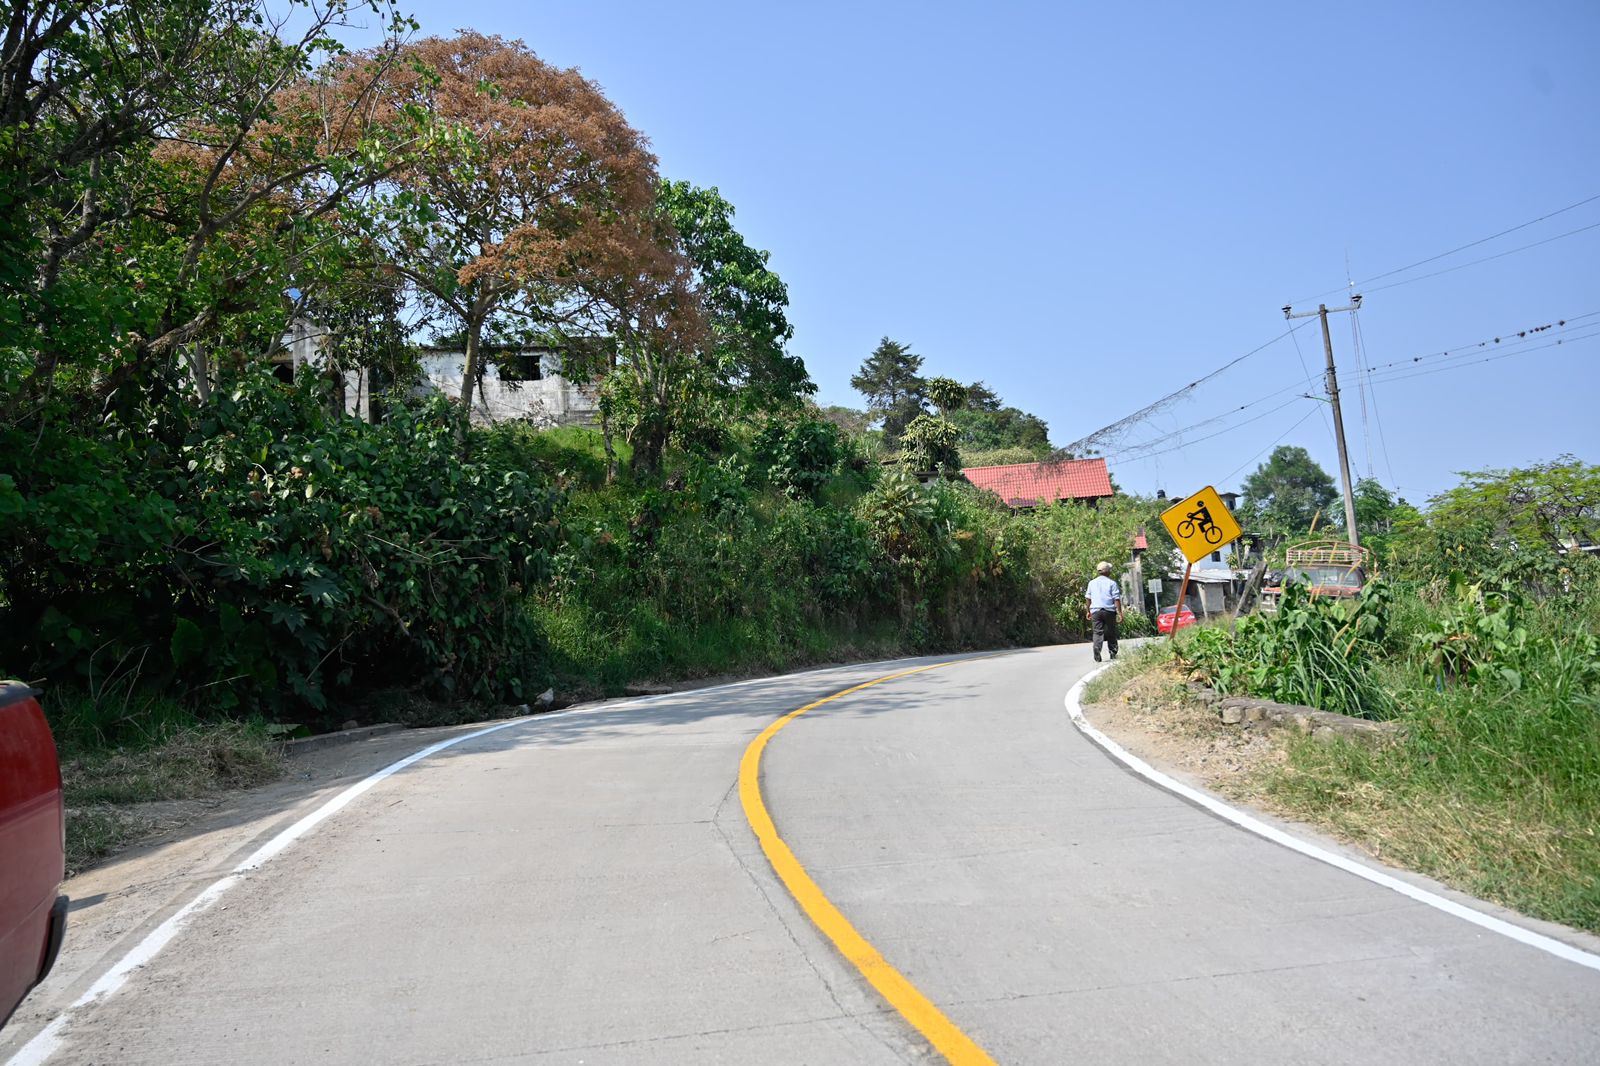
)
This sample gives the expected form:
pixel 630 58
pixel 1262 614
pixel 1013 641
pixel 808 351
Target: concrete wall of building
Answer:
pixel 549 400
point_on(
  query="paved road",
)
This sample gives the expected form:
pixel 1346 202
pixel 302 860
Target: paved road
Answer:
pixel 585 889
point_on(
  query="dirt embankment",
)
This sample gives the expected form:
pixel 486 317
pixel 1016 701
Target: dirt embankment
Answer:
pixel 1155 716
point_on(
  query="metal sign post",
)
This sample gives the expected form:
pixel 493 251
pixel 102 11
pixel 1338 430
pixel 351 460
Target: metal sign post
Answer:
pixel 1177 610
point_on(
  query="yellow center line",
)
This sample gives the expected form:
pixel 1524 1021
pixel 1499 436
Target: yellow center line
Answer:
pixel 957 1047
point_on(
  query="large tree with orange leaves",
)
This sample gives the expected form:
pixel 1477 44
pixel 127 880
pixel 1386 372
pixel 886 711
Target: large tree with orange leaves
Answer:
pixel 542 214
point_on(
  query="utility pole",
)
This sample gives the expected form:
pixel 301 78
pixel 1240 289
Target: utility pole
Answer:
pixel 1332 381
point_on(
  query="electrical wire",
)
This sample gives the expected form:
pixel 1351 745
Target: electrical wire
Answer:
pixel 1490 358
pixel 1361 385
pixel 1327 425
pixel 1485 259
pixel 1196 440
pixel 1294 426
pixel 1083 444
pixel 1178 431
pixel 1523 341
pixel 1462 248
pixel 1377 418
pixel 1443 360
pixel 1520 336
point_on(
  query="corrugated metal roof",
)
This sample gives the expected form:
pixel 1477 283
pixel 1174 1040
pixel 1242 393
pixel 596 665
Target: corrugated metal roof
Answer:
pixel 1025 484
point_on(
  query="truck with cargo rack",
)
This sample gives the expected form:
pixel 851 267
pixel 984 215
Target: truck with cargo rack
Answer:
pixel 1327 568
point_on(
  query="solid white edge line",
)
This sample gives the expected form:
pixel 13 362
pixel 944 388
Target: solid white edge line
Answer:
pixel 47 1041
pixel 1277 836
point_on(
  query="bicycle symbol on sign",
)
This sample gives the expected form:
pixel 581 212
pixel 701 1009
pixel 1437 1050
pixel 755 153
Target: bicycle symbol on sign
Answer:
pixel 1200 518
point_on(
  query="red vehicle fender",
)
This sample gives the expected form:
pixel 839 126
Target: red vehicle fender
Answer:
pixel 32 838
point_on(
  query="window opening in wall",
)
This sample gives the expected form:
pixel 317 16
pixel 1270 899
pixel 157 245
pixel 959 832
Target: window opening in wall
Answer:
pixel 521 367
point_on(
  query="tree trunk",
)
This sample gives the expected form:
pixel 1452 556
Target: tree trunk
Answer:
pixel 611 451
pixel 200 371
pixel 469 380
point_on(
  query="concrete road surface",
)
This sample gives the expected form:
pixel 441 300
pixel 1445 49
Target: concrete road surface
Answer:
pixel 584 888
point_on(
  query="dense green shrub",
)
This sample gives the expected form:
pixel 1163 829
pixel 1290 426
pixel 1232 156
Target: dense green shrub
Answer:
pixel 720 569
pixel 255 551
pixel 1315 651
pixel 798 456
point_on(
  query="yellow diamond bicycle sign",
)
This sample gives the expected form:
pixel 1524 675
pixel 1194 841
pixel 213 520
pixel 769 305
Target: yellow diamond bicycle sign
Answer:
pixel 1200 524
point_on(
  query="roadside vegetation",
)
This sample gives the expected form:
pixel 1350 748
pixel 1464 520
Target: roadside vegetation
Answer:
pixel 129 758
pixel 1482 643
pixel 203 549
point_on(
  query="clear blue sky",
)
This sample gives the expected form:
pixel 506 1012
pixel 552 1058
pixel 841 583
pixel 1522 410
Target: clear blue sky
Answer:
pixel 1088 206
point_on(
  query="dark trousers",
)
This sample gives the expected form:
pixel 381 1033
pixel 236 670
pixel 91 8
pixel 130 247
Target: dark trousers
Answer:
pixel 1105 630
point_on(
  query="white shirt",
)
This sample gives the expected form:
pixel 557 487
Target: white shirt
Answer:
pixel 1103 594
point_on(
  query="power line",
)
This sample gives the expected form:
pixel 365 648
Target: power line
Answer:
pixel 1296 425
pixel 1362 385
pixel 1485 259
pixel 1121 424
pixel 1377 418
pixel 1190 427
pixel 1510 338
pixel 1461 248
pixel 1491 358
pixel 1520 343
pixel 1307 371
pixel 1208 436
pixel 1522 338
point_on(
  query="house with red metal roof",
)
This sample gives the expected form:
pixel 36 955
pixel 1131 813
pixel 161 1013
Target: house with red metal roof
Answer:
pixel 1024 486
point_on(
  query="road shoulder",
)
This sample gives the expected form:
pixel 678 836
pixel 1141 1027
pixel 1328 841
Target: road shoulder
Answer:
pixel 1186 741
pixel 117 902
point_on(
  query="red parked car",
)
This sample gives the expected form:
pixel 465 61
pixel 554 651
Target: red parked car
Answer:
pixel 1164 619
pixel 33 917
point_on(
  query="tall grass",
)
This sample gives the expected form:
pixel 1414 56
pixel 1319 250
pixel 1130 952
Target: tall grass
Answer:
pixel 1313 652
pixel 123 749
pixel 1494 785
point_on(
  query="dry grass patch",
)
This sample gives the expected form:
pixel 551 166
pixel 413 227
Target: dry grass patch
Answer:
pixel 118 796
pixel 1534 852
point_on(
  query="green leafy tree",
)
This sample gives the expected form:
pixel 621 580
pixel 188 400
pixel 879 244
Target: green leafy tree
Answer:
pixel 1519 525
pixel 1551 504
pixel 890 381
pixel 743 301
pixel 1287 491
pixel 1378 512
pixel 986 424
pixel 798 456
pixel 929 442
pixel 981 397
pixel 167 170
pixel 1005 427
pixel 851 422
pixel 946 394
pixel 363 317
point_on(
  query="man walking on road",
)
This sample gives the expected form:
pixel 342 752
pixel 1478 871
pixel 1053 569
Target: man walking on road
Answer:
pixel 1102 602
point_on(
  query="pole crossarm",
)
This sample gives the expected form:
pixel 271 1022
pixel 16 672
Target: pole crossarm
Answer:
pixel 1289 312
